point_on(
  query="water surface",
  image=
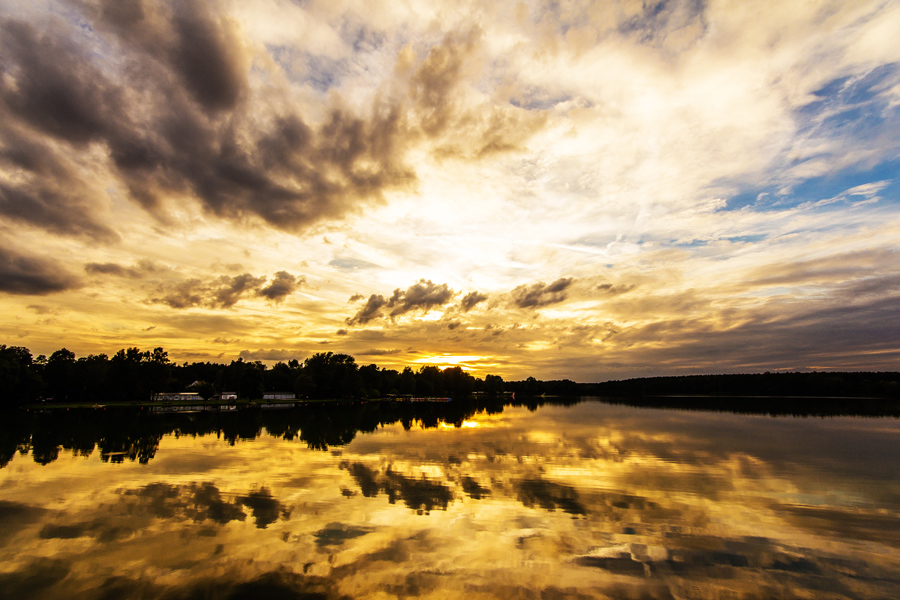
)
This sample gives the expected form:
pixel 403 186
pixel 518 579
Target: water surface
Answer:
pixel 583 501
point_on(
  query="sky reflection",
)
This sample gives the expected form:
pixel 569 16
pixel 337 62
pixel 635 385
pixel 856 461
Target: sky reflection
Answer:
pixel 590 501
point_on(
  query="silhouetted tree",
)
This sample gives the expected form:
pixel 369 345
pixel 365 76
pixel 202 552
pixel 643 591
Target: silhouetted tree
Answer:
pixel 457 382
pixel 281 377
pixel 59 375
pixel 126 377
pixel 19 381
pixel 407 381
pixel 493 384
pixel 92 374
pixel 245 377
pixel 332 375
pixel 429 382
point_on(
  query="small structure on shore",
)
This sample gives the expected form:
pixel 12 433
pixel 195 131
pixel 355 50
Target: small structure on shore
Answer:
pixel 176 397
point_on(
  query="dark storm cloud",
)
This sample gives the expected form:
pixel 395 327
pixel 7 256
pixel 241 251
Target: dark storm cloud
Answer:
pixel 541 294
pixel 224 291
pixel 32 275
pixel 204 53
pixel 174 116
pixel 423 296
pixel 50 90
pixel 471 299
pixel 47 192
pixel 53 86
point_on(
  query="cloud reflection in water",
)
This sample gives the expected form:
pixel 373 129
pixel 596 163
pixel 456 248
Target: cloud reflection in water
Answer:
pixel 590 501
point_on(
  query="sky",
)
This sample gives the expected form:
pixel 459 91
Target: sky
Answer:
pixel 582 190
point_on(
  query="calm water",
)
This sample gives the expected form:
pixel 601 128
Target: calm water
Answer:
pixel 585 501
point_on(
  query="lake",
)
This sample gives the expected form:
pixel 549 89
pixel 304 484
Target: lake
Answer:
pixel 585 500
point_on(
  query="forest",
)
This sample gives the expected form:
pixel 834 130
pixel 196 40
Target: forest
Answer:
pixel 134 375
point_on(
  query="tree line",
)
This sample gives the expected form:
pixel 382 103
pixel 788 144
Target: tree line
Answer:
pixel 127 433
pixel 822 384
pixel 135 375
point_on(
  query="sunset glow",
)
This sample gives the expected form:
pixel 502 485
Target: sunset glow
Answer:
pixel 582 190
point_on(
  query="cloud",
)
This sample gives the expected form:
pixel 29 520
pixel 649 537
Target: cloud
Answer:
pixel 371 310
pixel 418 494
pixel 283 284
pixel 32 275
pixel 352 264
pixel 540 294
pixel 224 291
pixel 230 289
pixel 265 508
pixel 184 294
pixel 441 109
pixel 272 354
pixel 470 300
pixel 423 296
pixel 380 352
pixel 204 501
pixel 50 91
pixel 614 290
pixel 111 269
pixel 143 268
pixel 35 576
pixel 178 118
